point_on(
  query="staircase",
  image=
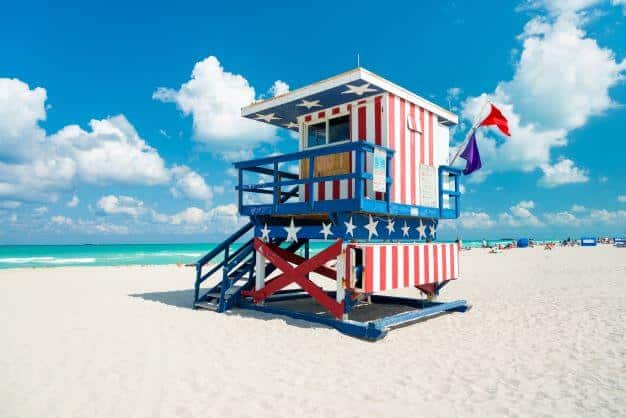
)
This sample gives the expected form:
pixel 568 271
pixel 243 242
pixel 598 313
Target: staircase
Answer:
pixel 237 269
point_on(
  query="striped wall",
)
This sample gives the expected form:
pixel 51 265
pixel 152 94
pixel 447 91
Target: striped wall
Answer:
pixel 384 120
pixel 397 266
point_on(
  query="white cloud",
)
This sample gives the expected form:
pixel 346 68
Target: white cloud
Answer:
pixel 578 208
pixel 620 3
pixel 21 109
pixel 112 151
pixel 61 220
pixel 190 184
pixel 608 217
pixel 41 210
pixel 192 216
pixel 562 78
pixel 621 198
pixel 111 229
pixel 73 202
pixel 476 220
pixel 10 204
pixel 121 205
pixel 563 172
pixel 278 88
pixel 35 166
pixel 562 219
pixel 214 98
pixel 520 215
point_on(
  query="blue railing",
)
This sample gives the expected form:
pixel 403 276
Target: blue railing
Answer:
pixel 448 200
pixel 281 179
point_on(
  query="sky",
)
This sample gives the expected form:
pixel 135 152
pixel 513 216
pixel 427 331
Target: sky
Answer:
pixel 119 121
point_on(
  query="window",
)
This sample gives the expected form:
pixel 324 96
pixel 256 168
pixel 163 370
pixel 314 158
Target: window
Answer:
pixel 339 129
pixel 329 131
pixel 413 123
pixel 316 134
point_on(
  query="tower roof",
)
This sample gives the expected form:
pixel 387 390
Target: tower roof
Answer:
pixel 355 84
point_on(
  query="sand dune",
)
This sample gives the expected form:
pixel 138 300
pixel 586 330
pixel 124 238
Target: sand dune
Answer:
pixel 545 337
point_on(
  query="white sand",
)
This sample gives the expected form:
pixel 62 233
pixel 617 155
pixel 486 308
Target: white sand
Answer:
pixel 545 338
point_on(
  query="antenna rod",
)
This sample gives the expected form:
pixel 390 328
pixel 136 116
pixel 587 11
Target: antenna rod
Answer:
pixel 358 60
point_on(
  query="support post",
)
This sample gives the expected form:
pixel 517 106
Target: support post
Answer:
pixel 341 280
pixel 259 283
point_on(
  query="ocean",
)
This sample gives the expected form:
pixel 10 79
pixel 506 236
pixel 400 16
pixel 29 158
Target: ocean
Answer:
pixel 13 256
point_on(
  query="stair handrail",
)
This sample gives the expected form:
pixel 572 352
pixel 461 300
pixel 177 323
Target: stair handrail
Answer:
pixel 226 243
pixel 234 237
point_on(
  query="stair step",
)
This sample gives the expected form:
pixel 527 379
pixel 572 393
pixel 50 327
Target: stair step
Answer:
pixel 214 294
pixel 206 305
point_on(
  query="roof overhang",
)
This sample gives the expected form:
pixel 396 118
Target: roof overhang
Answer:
pixel 352 85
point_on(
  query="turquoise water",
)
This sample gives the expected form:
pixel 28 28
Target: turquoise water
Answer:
pixel 12 256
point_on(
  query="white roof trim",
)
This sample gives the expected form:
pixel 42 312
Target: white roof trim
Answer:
pixel 347 77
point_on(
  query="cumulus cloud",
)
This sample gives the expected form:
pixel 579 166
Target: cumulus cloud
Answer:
pixel 476 220
pixel 35 166
pixel 563 218
pixel 121 205
pixel 563 172
pixel 561 80
pixel 61 220
pixel 607 216
pixel 73 202
pixel 9 204
pixel 621 198
pixel 520 215
pixel 41 210
pixel 214 98
pixel 188 183
pixel 278 88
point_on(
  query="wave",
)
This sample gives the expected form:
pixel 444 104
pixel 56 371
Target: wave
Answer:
pixel 47 260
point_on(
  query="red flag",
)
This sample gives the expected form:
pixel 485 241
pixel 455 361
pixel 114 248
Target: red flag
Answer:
pixel 497 118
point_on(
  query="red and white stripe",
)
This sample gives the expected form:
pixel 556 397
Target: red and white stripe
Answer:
pixel 397 266
pixel 411 148
pixel 383 120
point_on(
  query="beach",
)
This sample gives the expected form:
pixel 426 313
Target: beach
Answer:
pixel 545 337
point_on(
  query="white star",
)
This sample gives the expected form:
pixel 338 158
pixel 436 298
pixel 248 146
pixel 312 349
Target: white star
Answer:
pixel 405 230
pixel 422 230
pixel 265 233
pixel 292 232
pixel 309 104
pixel 326 230
pixel 291 125
pixel 371 227
pixel 433 230
pixel 390 227
pixel 358 90
pixel 350 227
pixel 267 118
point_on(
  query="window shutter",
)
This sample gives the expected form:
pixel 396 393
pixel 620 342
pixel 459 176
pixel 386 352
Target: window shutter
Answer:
pixel 413 123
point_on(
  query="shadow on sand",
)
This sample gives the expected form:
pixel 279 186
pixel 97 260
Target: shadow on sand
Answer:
pixel 363 313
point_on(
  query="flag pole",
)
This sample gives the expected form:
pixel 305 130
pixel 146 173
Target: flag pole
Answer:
pixel 469 135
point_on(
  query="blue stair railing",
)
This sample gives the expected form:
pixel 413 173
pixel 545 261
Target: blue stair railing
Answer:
pixel 237 269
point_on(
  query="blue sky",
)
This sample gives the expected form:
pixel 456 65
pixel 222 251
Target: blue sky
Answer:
pixel 154 165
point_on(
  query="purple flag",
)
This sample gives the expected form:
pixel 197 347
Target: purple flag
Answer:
pixel 471 155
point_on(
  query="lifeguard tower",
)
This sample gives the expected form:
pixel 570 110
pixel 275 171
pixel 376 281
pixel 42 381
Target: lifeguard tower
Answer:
pixel 370 178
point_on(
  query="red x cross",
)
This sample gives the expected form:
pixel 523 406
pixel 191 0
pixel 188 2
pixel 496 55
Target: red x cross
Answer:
pixel 281 259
